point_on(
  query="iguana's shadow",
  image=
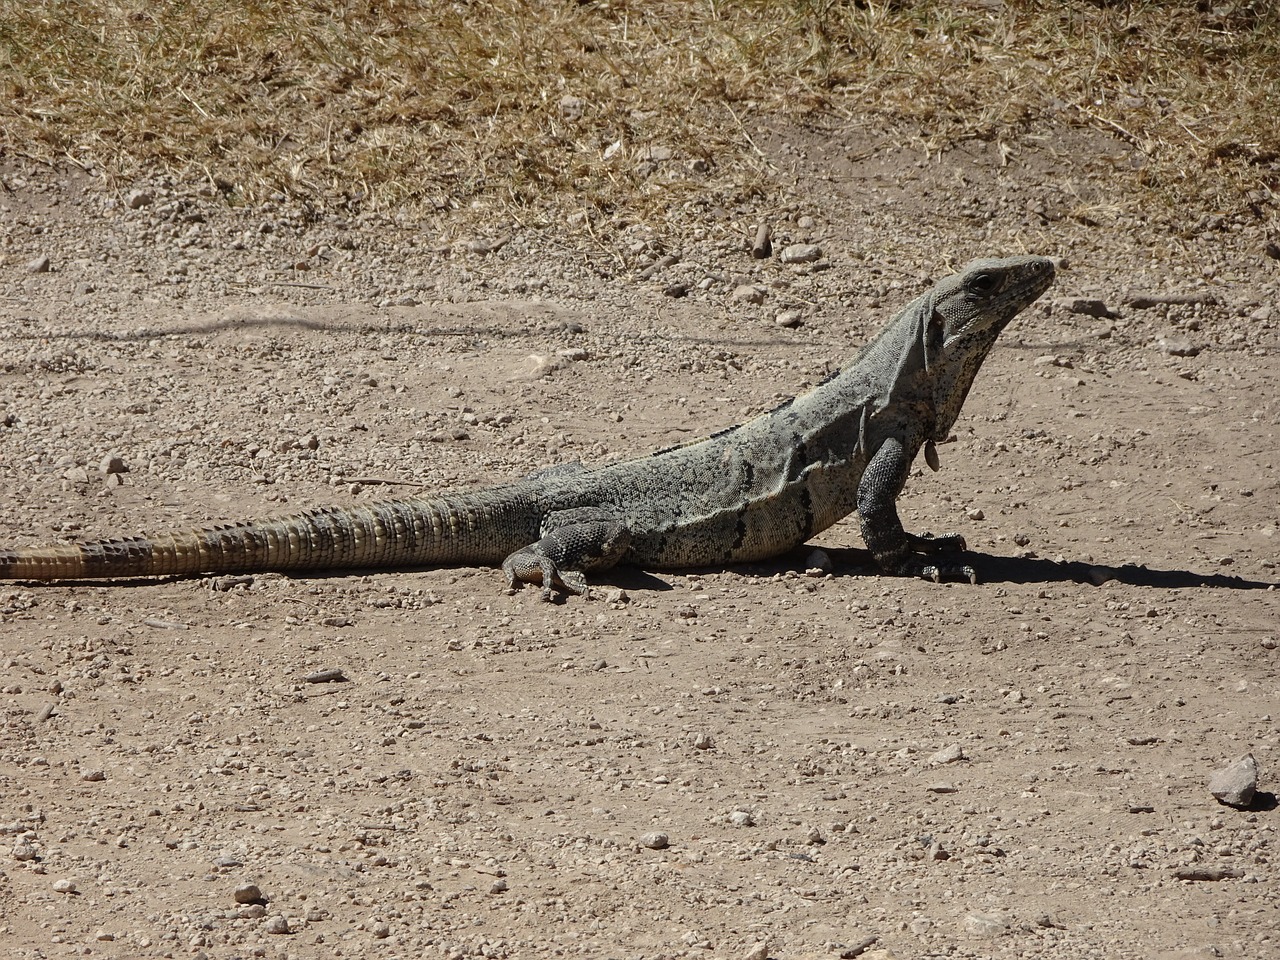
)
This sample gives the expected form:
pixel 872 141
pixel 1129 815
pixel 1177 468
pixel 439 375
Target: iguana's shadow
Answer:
pixel 850 561
pixel 847 562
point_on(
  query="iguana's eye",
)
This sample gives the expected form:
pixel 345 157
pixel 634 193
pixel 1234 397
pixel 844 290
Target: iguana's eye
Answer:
pixel 982 284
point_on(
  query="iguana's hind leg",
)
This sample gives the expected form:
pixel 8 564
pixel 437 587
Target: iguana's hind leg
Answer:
pixel 895 549
pixel 573 541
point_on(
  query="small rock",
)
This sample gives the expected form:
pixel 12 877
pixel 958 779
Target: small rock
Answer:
pixel 1092 308
pixel 748 293
pixel 248 893
pixel 1235 785
pixel 114 463
pixel 483 246
pixel 76 475
pixel 380 930
pixel 1209 873
pixel 676 290
pixel 655 841
pixel 976 514
pixel 762 246
pixel 498 886
pixel 137 199
pixel 703 742
pixel 942 786
pixel 741 818
pixel 24 851
pixel 789 318
pixel 759 952
pixel 920 926
pixel 276 925
pixel 937 852
pixel 331 675
pixel 1272 250
pixel 93 776
pixel 64 886
pixel 1177 348
pixel 984 925
pixel 814 837
pixel 38 265
pixel 571 107
pixel 802 253
pixel 820 561
pixel 946 755
pixel 104 936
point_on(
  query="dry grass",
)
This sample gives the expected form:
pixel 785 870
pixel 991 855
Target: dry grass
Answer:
pixel 536 109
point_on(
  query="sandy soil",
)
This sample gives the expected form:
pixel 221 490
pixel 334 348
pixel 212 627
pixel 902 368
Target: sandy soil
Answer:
pixel 841 765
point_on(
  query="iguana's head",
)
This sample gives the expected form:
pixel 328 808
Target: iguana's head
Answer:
pixel 966 313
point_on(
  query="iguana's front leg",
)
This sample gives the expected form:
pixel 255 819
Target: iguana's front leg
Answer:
pixel 894 548
pixel 573 541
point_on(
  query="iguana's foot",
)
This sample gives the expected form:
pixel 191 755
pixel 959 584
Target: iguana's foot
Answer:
pixel 938 573
pixel 911 564
pixel 531 565
pixel 574 541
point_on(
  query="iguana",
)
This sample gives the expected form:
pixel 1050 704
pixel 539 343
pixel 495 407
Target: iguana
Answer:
pixel 746 493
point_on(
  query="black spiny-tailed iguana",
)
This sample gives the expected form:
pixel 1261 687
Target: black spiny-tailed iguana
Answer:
pixel 749 492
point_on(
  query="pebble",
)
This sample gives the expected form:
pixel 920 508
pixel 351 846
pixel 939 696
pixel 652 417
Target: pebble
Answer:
pixel 762 246
pixel 571 107
pixel 331 675
pixel 741 818
pixel 380 930
pixel 820 561
pixel 1235 784
pixel 802 253
pixel 789 318
pixel 137 199
pixel 703 742
pixel 39 265
pixel 758 952
pixel 498 886
pixel 949 754
pixel 247 893
pixel 676 290
pixel 1092 308
pixel 942 786
pixel 64 886
pixel 93 776
pixel 984 924
pixel 748 293
pixel 655 841
pixel 1177 348
pixel 976 514
pixel 276 925
pixel 24 851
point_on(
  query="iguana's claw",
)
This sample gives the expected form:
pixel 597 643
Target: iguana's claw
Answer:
pixel 950 571
pixel 938 572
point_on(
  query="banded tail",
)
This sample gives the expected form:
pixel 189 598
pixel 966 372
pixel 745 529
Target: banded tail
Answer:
pixel 478 528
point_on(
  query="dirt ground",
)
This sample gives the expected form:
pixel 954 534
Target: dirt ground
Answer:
pixel 842 765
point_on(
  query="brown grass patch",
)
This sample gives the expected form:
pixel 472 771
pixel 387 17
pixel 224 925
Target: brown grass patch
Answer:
pixel 626 110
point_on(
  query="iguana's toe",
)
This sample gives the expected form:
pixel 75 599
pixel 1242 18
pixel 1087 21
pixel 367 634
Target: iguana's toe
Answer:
pixel 948 571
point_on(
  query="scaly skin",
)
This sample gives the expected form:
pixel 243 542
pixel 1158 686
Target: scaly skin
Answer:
pixel 750 492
